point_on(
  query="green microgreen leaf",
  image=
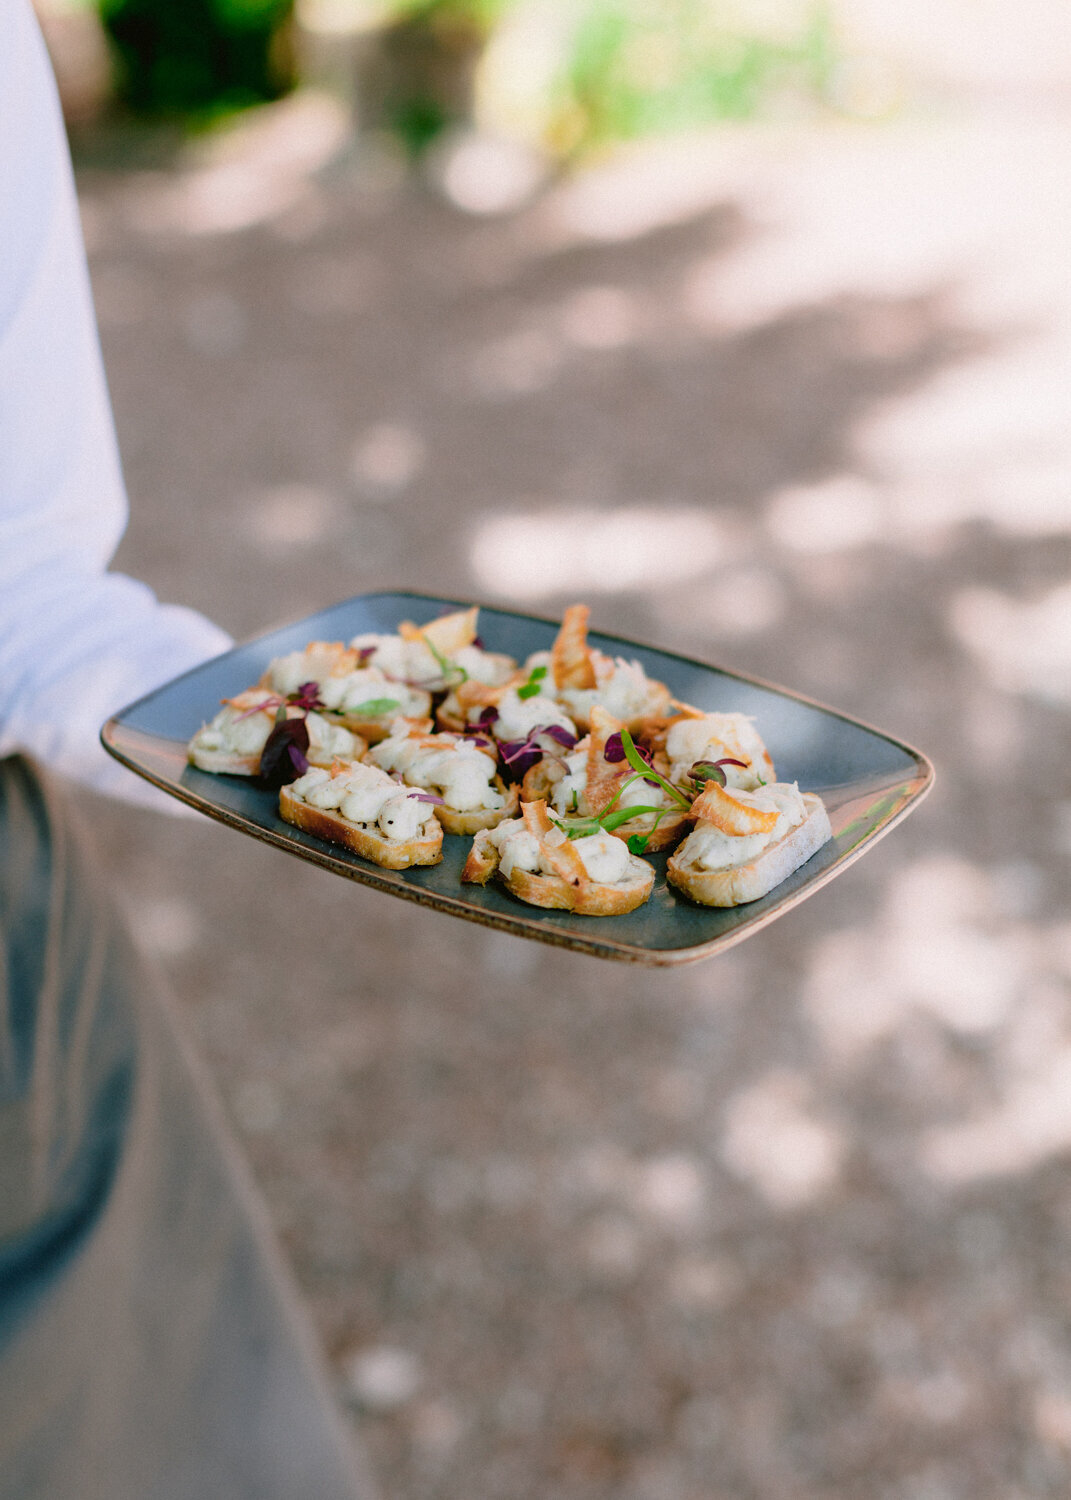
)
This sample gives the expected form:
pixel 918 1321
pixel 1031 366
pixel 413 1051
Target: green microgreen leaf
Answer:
pixel 531 687
pixel 640 766
pixel 447 667
pixel 637 842
pixel 614 820
pixel 606 822
pixel 371 708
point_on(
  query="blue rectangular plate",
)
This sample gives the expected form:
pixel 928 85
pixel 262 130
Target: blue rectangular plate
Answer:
pixel 868 780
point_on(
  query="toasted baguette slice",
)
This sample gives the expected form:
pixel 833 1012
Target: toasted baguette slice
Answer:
pixel 602 782
pixel 257 710
pixel 223 762
pixel 735 885
pixel 538 784
pixel 391 854
pixel 568 887
pixel 374 729
pixel 407 755
pixel 480 818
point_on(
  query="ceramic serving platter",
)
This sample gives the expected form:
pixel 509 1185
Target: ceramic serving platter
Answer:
pixel 868 780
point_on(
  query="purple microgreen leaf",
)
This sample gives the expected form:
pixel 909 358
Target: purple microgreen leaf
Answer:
pixel 615 750
pixel 306 697
pixel 477 641
pixel 427 797
pixel 277 764
pixel 559 733
pixel 365 655
pixel 518 757
pixel 702 771
pixel 300 761
pixel 272 701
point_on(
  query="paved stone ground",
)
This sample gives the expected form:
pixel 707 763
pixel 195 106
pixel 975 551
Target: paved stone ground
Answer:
pixel 791 1225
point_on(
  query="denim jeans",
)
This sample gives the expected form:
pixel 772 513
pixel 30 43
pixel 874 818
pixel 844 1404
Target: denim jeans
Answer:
pixel 151 1345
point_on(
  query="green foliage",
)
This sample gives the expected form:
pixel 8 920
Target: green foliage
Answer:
pixel 649 67
pixel 199 56
pixel 481 15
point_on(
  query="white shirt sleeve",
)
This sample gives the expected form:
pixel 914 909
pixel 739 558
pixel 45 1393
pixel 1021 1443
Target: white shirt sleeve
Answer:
pixel 76 642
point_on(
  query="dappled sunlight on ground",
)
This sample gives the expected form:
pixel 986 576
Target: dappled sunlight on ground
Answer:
pixel 1024 645
pixel 794 1223
pixel 257 170
pixel 939 944
pixel 775 1140
pixel 607 551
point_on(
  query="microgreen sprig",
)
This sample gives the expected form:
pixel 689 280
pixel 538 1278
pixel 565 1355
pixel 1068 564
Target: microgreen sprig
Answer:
pixel 447 667
pixel 702 771
pixel 372 708
pixel 306 697
pixel 612 817
pixel 608 821
pixel 534 684
pixel 641 768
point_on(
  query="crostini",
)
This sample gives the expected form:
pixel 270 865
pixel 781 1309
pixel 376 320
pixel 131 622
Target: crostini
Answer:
pixel 534 859
pixel 520 716
pixel 595 779
pixel 232 743
pixel 747 842
pixel 358 696
pixel 692 737
pixel 461 770
pixel 364 809
pixel 582 676
pixel 437 656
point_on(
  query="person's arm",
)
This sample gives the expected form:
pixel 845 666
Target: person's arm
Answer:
pixel 76 642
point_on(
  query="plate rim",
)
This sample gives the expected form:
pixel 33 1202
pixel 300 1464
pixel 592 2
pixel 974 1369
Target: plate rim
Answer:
pixel 597 945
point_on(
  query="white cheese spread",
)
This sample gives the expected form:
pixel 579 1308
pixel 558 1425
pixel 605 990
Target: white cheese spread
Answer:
pixel 416 663
pixel 714 737
pixel 367 796
pixel 605 859
pixel 240 728
pixel 711 849
pixel 454 767
pixel 517 717
pixel 622 688
pixel 349 693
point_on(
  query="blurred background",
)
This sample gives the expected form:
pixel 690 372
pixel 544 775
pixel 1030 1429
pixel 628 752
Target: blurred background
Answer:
pixel 749 323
